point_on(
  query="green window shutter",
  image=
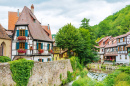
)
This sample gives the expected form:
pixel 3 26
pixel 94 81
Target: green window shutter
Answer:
pixel 47 59
pixel 17 33
pixel 38 59
pixel 42 60
pixel 17 45
pixel 41 45
pixel 26 33
pixel 50 59
pixel 37 46
pixel 26 45
pixel 47 46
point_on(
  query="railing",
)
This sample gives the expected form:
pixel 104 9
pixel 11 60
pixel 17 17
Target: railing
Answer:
pixel 121 43
pixel 100 52
pixel 123 52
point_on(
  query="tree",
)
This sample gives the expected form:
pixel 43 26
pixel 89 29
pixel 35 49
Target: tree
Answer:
pixel 68 37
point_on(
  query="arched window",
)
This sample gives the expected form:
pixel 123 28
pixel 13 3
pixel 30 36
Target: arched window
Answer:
pixel 2 49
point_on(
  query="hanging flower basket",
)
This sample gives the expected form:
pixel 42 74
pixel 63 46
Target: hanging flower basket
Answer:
pixel 50 51
pixel 22 38
pixel 31 48
pixel 21 51
pixel 40 51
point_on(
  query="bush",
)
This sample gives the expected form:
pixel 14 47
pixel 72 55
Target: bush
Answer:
pixel 75 63
pixel 125 69
pixel 21 71
pixel 122 77
pixel 103 66
pixel 86 81
pixel 83 73
pixel 4 59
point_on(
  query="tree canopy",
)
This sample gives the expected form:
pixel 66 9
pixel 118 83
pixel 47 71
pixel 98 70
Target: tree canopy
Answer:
pixel 78 40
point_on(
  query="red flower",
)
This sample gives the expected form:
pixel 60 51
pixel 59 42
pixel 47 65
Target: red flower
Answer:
pixel 21 51
pixel 50 51
pixel 40 51
pixel 31 48
pixel 22 38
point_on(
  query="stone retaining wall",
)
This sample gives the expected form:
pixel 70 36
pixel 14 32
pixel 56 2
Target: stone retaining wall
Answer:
pixel 43 73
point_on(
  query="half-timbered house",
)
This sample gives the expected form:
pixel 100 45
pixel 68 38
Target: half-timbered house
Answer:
pixel 29 40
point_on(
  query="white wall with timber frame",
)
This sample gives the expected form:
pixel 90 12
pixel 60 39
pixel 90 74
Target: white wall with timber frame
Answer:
pixel 30 55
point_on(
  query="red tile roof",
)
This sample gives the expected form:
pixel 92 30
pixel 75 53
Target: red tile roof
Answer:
pixel 3 33
pixel 104 40
pixel 12 19
pixel 35 28
pixel 48 31
pixel 128 33
pixel 110 43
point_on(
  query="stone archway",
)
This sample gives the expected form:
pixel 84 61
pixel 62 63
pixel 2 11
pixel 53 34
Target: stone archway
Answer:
pixel 3 49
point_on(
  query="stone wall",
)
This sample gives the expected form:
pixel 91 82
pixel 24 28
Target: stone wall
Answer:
pixel 43 73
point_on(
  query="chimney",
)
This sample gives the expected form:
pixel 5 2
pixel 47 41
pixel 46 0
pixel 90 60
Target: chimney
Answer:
pixel 32 8
pixel 48 26
pixel 18 13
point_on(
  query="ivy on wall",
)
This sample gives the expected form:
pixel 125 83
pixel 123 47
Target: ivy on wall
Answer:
pixel 21 71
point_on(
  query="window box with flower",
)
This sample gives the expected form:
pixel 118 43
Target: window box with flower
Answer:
pixel 40 51
pixel 21 51
pixel 21 37
pixel 50 51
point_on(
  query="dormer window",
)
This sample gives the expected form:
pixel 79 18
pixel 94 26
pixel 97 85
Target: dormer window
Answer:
pixel 103 43
pixel 112 42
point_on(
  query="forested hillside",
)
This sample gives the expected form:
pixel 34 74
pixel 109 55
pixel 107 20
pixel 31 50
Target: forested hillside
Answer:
pixel 114 25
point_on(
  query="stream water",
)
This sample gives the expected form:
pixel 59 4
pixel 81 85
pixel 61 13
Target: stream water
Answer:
pixel 97 74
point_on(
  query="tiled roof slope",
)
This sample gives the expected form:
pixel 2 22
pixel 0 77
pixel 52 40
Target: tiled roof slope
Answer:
pixel 3 33
pixel 128 33
pixel 35 28
pixel 12 19
pixel 110 43
pixel 45 27
pixel 103 40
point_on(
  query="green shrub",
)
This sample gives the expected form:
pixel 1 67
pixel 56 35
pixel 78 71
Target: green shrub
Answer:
pixel 64 82
pixel 86 81
pixel 83 73
pixel 4 59
pixel 103 66
pixel 21 71
pixel 110 79
pixel 60 76
pixel 125 69
pixel 122 77
pixel 75 63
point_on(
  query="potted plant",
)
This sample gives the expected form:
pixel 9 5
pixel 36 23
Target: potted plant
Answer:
pixel 22 38
pixel 40 51
pixel 50 51
pixel 22 51
pixel 31 48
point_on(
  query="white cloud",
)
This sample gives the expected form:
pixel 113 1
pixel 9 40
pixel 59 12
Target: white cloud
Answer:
pixel 58 13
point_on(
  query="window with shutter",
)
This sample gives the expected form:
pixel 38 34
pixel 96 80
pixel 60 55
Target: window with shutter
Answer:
pixel 17 33
pixel 123 39
pixel 17 45
pixel 22 45
pixel 22 32
pixel 119 40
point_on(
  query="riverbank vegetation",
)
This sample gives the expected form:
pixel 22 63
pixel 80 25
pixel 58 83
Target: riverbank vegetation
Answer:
pixel 120 77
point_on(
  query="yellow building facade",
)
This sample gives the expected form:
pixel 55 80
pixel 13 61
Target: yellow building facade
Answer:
pixel 5 43
pixel 60 54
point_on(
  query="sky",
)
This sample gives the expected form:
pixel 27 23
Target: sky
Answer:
pixel 58 13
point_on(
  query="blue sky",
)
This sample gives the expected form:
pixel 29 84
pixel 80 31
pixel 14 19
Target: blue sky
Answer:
pixel 57 13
